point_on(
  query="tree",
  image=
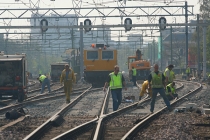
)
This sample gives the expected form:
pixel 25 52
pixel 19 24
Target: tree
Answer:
pixel 205 8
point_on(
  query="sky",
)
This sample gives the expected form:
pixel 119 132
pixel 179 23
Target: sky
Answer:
pixel 11 4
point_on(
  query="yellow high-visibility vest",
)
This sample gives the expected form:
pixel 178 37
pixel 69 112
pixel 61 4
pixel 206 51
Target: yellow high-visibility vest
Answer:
pixel 134 71
pixel 157 80
pixel 116 80
pixel 42 77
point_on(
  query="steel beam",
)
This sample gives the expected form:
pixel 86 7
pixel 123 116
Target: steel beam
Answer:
pixel 85 12
pixel 107 26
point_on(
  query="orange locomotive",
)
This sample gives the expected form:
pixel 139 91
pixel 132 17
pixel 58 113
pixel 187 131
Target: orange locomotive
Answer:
pixel 142 66
pixel 99 61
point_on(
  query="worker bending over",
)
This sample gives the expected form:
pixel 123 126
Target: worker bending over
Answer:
pixel 171 91
pixel 45 82
pixel 144 88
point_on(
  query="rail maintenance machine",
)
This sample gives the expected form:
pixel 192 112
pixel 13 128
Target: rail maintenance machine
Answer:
pixel 142 66
pixel 13 76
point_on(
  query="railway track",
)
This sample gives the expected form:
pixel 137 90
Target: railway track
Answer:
pixel 124 123
pixel 133 133
pixel 185 123
pixel 71 114
pixel 56 89
pixel 115 124
pixel 39 112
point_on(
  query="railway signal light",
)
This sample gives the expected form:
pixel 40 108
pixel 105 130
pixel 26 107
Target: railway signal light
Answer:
pixel 43 25
pixel 87 22
pixel 162 21
pixel 127 21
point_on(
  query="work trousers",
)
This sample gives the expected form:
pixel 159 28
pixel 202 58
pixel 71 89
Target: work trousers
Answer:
pixel 46 82
pixel 161 91
pixel 170 98
pixel 68 89
pixel 116 97
pixel 134 80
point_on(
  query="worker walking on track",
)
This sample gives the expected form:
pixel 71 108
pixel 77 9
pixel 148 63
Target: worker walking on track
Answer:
pixel 144 88
pixel 134 76
pixel 188 72
pixel 116 82
pixel 68 77
pixel 44 82
pixel 171 91
pixel 169 74
pixel 157 83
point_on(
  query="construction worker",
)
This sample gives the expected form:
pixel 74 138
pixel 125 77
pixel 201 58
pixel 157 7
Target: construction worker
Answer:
pixel 171 91
pixel 169 74
pixel 134 76
pixel 188 72
pixel 68 77
pixel 116 82
pixel 156 81
pixel 144 88
pixel 44 82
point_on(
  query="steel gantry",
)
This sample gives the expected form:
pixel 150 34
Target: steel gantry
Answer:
pixel 104 12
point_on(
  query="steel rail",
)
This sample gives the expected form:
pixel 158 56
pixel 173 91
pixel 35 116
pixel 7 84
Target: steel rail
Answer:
pixel 33 83
pixel 37 133
pixel 5 102
pixel 78 130
pixel 101 119
pixel 99 133
pixel 131 134
pixel 3 109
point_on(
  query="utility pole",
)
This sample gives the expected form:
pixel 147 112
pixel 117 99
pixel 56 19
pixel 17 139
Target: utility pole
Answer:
pixel 72 38
pixel 161 50
pixel 171 47
pixel 6 44
pixel 151 52
pixel 81 50
pixel 198 46
pixel 186 31
pixel 154 46
pixel 204 50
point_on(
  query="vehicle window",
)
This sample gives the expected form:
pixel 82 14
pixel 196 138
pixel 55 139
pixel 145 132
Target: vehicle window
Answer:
pixel 107 55
pixel 8 72
pixel 92 55
pixel 139 65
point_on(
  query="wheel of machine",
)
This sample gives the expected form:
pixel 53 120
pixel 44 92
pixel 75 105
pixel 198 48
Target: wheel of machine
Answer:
pixel 20 97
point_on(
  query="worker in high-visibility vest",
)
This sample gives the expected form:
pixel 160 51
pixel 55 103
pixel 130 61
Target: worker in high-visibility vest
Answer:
pixel 116 82
pixel 169 74
pixel 45 82
pixel 134 73
pixel 188 72
pixel 171 91
pixel 157 83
